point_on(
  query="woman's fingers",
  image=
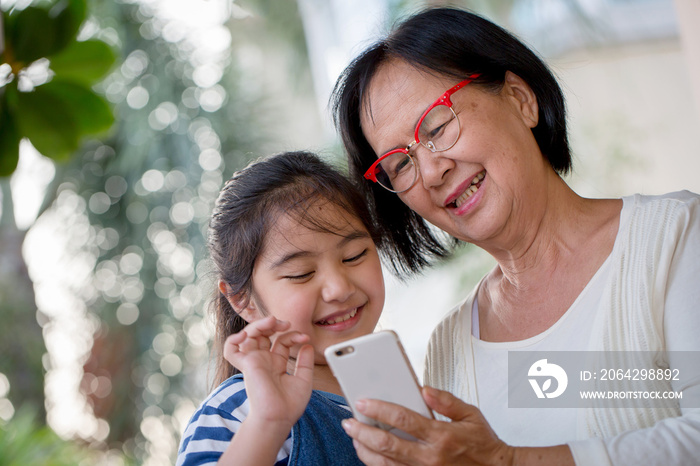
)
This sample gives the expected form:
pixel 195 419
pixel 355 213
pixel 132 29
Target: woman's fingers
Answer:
pixel 469 437
pixel 377 447
pixel 397 416
pixel 447 404
pixel 382 447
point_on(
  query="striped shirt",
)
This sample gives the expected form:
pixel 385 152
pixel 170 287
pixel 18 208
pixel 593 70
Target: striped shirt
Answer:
pixel 217 420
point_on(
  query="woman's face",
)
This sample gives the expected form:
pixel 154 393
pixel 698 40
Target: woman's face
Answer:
pixel 496 143
pixel 328 285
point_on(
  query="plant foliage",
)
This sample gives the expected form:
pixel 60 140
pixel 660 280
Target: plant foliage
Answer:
pixel 54 108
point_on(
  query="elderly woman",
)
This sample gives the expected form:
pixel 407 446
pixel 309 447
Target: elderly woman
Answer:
pixel 451 120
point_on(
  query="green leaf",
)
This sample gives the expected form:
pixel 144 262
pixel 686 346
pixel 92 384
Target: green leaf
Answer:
pixel 48 123
pixel 31 34
pixel 37 32
pixel 9 140
pixel 68 15
pixel 91 113
pixel 85 62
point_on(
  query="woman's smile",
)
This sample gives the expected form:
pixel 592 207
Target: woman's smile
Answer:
pixel 465 191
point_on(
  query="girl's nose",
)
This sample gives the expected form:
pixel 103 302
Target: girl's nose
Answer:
pixel 337 286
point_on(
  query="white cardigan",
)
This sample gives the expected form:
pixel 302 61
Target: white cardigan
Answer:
pixel 651 303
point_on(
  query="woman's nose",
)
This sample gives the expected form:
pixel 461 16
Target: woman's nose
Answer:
pixel 337 286
pixel 433 166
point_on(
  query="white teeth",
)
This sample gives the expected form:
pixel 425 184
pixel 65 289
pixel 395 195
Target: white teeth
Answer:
pixel 340 318
pixel 471 189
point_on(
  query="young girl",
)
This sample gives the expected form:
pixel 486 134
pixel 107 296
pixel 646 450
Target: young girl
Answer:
pixel 298 271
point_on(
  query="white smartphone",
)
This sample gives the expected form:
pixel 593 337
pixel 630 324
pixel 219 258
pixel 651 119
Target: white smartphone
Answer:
pixel 376 366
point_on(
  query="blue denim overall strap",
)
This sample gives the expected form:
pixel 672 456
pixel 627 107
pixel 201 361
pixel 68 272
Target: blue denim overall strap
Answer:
pixel 318 439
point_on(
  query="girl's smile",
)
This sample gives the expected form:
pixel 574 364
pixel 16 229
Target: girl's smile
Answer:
pixel 324 276
pixel 341 320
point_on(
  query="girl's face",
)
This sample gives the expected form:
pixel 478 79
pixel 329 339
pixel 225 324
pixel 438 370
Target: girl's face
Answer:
pixel 328 285
pixel 495 143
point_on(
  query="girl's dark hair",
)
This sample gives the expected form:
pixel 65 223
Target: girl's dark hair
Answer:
pixel 448 42
pixel 247 208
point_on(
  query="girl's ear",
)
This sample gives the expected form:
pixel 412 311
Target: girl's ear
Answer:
pixel 524 98
pixel 240 303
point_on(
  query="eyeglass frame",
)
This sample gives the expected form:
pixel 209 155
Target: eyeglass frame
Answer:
pixel 444 99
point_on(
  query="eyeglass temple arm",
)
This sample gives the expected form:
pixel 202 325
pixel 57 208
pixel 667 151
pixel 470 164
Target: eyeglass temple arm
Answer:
pixel 371 174
pixel 444 100
pixel 458 86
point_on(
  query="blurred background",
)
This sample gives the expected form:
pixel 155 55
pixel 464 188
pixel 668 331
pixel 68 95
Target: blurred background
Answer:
pixel 113 153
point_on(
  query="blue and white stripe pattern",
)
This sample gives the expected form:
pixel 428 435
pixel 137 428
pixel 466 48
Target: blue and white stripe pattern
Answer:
pixel 217 420
pixel 214 424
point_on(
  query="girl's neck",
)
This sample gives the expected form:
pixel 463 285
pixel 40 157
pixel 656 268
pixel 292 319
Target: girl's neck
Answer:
pixel 324 380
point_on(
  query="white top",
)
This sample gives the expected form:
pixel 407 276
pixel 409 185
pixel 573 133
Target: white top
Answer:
pixel 532 426
pixel 645 298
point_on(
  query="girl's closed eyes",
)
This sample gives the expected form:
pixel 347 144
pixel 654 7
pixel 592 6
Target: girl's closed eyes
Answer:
pixel 300 277
pixel 357 257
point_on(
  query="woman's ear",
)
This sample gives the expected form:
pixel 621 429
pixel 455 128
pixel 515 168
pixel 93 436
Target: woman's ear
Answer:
pixel 244 306
pixel 524 98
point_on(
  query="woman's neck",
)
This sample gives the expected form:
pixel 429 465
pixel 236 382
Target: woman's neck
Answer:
pixel 544 268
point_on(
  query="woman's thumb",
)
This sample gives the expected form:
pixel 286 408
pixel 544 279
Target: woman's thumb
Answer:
pixel 448 405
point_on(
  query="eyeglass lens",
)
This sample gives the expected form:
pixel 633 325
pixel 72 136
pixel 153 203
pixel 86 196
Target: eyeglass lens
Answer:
pixel 437 132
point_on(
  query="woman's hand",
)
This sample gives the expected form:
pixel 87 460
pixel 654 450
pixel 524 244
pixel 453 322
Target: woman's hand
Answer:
pixel 261 351
pixel 468 439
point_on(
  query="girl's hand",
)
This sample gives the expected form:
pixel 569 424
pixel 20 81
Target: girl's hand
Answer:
pixel 468 439
pixel 261 351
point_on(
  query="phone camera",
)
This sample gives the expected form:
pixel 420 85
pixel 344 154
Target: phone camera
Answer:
pixel 344 351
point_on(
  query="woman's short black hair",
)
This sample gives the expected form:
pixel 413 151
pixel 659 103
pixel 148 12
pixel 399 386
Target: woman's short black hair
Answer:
pixel 448 42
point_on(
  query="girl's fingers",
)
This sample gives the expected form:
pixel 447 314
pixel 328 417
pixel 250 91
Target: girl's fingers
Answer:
pixel 255 336
pixel 236 338
pixel 231 344
pixel 290 339
pixel 267 327
pixel 304 368
pixel 286 341
pixel 254 344
pixel 261 337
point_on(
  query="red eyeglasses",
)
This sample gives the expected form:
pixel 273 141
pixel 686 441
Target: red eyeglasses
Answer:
pixel 436 130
